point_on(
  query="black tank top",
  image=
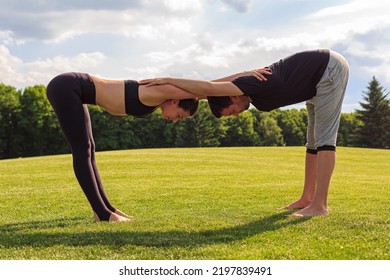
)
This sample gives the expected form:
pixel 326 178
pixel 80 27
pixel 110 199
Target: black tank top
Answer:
pixel 133 105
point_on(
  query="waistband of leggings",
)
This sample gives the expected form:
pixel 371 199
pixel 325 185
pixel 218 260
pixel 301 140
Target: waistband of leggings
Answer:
pixel 87 86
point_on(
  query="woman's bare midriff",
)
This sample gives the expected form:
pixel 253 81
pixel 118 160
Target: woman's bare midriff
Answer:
pixel 110 95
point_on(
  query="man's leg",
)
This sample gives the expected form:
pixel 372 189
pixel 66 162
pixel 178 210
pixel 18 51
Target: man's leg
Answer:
pixel 326 161
pixel 310 163
pixel 309 183
pixel 328 102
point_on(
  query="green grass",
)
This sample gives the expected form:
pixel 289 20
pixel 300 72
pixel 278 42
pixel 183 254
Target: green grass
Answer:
pixel 200 203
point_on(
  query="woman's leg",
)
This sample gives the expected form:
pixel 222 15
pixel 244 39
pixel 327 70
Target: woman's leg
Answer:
pixel 95 169
pixel 63 94
pixel 93 162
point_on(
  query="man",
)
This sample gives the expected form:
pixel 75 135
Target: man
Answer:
pixel 318 77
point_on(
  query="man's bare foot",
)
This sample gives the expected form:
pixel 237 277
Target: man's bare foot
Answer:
pixel 299 204
pixel 120 213
pixel 113 218
pixel 310 211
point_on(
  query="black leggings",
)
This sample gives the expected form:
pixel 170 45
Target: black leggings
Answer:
pixel 68 93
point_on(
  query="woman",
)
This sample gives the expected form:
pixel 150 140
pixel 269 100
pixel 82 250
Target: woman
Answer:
pixel 70 92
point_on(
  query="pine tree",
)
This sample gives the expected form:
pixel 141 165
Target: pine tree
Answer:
pixel 375 117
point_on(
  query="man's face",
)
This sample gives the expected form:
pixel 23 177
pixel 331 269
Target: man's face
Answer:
pixel 240 104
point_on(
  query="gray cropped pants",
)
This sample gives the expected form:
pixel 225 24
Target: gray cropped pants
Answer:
pixel 324 109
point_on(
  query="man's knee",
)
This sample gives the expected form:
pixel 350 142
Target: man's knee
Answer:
pixel 311 151
pixel 326 148
pixel 319 149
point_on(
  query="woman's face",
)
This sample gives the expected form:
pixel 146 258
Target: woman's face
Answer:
pixel 171 111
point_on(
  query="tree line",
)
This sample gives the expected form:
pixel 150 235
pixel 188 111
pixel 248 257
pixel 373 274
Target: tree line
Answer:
pixel 28 126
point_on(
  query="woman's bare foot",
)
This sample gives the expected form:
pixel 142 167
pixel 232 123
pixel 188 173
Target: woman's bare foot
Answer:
pixel 113 218
pixel 299 204
pixel 120 213
pixel 310 211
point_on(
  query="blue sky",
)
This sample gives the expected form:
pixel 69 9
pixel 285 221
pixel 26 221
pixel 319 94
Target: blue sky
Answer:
pixel 200 39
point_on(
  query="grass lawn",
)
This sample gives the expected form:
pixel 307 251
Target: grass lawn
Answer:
pixel 199 203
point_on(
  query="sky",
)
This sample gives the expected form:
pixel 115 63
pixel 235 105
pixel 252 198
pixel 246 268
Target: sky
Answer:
pixel 198 39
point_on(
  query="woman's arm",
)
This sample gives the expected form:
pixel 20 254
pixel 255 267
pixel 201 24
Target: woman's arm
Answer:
pixel 258 73
pixel 220 87
pixel 153 96
pixel 197 87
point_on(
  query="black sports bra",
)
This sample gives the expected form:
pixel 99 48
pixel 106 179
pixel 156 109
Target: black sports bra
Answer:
pixel 133 105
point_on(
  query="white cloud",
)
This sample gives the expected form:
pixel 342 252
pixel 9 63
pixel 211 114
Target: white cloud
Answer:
pixel 62 63
pixel 8 67
pixel 343 21
pixel 6 37
pixel 188 6
pixel 150 20
pixel 189 38
pixel 204 54
pixel 20 74
pixel 42 6
pixel 376 57
pixel 352 7
pixel 44 70
pixel 381 71
pixel 241 6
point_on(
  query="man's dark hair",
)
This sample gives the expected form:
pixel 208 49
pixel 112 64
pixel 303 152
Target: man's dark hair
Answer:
pixel 189 105
pixel 218 103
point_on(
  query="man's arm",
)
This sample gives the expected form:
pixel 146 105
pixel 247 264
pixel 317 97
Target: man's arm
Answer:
pixel 220 87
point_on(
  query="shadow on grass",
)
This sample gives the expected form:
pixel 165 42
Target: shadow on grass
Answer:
pixel 50 233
